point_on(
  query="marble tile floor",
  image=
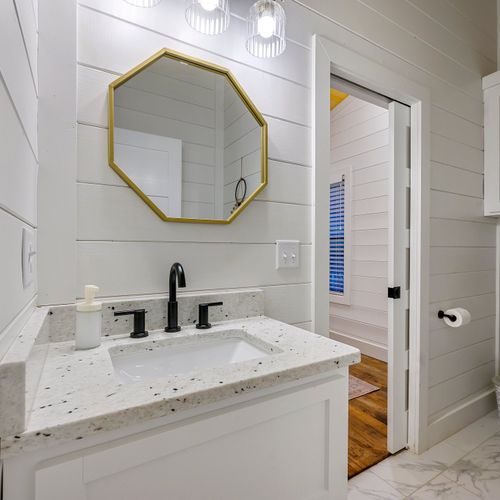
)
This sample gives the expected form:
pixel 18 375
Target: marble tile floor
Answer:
pixel 466 466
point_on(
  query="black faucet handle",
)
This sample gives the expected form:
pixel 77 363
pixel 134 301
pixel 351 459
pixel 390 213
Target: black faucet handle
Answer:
pixel 139 331
pixel 203 323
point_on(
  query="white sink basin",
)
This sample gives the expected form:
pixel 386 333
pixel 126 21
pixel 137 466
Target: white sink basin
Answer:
pixel 154 361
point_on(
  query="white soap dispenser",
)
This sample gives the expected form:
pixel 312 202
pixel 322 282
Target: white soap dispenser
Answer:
pixel 88 320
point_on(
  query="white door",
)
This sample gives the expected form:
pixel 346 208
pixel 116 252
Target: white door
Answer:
pixel 154 164
pixel 398 275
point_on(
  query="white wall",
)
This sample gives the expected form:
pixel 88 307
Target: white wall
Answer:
pixel 443 45
pixel 360 140
pixel 446 47
pixel 18 158
pixel 145 246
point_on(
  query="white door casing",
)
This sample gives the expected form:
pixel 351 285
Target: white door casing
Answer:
pixel 398 276
pixel 333 56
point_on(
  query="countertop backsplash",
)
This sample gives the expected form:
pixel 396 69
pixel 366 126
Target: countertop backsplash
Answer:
pixel 237 304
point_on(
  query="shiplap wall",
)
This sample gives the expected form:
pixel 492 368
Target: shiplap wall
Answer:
pixel 444 45
pixel 238 255
pixel 360 140
pixel 18 158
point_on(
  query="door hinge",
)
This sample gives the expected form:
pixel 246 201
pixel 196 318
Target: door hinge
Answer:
pixel 394 292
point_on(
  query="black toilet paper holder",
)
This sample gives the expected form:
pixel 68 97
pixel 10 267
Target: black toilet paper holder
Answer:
pixel 451 317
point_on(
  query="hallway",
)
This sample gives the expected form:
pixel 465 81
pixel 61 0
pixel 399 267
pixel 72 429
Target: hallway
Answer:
pixel 368 417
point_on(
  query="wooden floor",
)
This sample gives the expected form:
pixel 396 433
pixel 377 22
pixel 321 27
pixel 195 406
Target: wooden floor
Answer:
pixel 368 417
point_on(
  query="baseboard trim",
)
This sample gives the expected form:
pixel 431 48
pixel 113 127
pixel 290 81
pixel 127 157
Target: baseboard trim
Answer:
pixel 461 416
pixel 371 349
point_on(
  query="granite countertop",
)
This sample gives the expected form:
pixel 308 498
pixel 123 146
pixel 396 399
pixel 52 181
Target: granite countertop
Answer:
pixel 80 395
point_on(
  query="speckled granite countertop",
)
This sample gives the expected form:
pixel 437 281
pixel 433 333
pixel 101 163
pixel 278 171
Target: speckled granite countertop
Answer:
pixel 79 393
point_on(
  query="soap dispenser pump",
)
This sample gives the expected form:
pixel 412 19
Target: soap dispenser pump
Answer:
pixel 88 320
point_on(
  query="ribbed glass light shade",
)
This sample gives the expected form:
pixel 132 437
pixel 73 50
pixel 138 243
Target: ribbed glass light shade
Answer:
pixel 143 3
pixel 266 29
pixel 209 17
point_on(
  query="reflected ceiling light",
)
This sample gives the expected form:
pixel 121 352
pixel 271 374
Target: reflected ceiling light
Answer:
pixel 266 29
pixel 143 3
pixel 209 17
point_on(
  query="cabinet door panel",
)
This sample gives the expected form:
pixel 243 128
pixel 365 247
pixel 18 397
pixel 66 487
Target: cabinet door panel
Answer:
pixel 292 445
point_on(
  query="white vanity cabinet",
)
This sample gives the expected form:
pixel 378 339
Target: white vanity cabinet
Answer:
pixel 491 89
pixel 286 444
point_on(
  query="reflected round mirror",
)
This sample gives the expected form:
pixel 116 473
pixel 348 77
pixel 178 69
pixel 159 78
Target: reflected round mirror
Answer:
pixel 186 138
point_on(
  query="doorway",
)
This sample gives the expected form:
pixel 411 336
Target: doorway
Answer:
pixel 369 262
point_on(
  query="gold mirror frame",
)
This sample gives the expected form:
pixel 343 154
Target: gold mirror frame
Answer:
pixel 172 54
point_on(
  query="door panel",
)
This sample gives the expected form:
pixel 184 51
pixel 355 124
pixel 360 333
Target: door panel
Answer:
pixel 398 275
pixel 154 163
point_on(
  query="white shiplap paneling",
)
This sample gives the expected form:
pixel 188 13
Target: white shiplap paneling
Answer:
pixel 18 160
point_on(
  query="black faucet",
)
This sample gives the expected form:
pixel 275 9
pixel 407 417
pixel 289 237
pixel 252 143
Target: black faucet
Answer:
pixel 176 275
pixel 139 330
pixel 203 323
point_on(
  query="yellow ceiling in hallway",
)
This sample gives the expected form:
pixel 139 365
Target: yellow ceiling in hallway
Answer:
pixel 336 97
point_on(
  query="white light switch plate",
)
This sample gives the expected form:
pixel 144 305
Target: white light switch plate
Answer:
pixel 287 254
pixel 28 253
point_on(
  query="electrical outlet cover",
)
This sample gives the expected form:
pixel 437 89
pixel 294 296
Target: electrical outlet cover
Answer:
pixel 287 254
pixel 28 257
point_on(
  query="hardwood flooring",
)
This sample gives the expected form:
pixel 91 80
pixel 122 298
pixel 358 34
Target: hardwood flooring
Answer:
pixel 368 417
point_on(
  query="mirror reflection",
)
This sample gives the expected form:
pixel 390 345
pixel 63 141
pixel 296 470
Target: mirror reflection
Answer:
pixel 187 140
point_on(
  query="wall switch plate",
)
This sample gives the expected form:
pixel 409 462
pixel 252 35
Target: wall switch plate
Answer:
pixel 287 254
pixel 28 253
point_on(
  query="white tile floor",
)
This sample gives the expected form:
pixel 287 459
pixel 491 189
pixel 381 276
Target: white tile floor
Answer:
pixel 464 466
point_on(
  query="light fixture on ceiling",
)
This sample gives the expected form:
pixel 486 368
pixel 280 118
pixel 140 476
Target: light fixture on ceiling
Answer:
pixel 266 29
pixel 210 17
pixel 143 3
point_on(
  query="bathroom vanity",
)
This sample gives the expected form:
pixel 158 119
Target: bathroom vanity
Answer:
pixel 250 408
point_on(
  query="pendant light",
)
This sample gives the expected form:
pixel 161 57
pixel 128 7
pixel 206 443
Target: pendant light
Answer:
pixel 266 29
pixel 210 17
pixel 143 3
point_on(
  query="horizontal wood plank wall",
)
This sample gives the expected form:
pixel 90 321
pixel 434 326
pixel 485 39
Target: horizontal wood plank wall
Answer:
pixel 19 158
pixel 444 46
pixel 360 141
pixel 447 48
pixel 241 254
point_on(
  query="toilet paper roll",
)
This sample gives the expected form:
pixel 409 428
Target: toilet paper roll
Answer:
pixel 462 315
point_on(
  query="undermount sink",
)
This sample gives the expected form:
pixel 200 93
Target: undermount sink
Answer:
pixel 153 360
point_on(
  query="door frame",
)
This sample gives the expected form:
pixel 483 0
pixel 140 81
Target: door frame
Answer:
pixel 334 58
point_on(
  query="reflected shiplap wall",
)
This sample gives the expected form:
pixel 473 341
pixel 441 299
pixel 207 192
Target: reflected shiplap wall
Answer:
pixel 360 141
pixel 444 45
pixel 19 157
pixel 242 150
pixel 183 108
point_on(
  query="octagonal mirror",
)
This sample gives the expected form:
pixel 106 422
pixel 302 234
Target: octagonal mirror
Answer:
pixel 184 135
